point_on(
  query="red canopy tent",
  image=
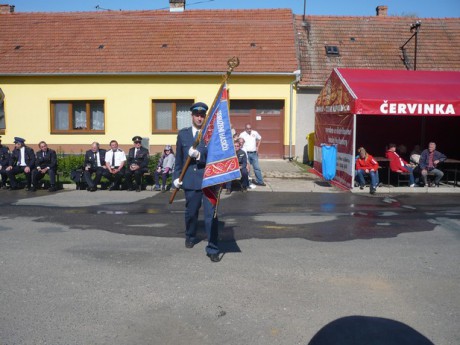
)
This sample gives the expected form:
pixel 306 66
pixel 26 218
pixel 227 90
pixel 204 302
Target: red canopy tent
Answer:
pixel 371 108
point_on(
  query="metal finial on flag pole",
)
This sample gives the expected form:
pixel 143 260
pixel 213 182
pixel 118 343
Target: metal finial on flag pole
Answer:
pixel 232 63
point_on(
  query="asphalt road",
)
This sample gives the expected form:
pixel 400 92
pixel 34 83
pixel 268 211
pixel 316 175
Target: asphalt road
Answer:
pixel 111 268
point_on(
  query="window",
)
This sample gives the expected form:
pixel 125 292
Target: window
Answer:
pixel 77 117
pixel 332 50
pixel 170 116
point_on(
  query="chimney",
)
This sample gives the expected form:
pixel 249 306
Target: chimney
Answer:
pixel 382 11
pixel 5 9
pixel 176 5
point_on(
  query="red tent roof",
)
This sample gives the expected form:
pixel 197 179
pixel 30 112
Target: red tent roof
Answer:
pixel 395 92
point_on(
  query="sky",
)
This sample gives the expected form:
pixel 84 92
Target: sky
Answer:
pixel 417 8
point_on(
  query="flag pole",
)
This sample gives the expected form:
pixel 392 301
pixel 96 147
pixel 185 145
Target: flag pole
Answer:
pixel 232 63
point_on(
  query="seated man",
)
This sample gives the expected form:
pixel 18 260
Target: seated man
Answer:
pixel 115 160
pixel 95 164
pixel 429 161
pixel 22 160
pixel 367 165
pixel 399 165
pixel 46 163
pixel 165 168
pixel 4 162
pixel 243 162
pixel 138 161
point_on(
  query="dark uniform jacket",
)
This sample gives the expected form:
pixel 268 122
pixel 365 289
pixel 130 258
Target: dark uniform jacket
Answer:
pixel 4 156
pixel 46 159
pixel 29 153
pixel 242 159
pixel 141 159
pixel 193 178
pixel 91 160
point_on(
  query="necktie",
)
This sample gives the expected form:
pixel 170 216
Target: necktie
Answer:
pixel 113 158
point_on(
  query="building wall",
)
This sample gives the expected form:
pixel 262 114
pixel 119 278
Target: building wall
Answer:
pixel 128 104
pixel 305 123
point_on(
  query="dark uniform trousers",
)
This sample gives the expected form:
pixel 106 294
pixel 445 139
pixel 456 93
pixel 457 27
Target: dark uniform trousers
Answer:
pixel 194 196
pixel 99 171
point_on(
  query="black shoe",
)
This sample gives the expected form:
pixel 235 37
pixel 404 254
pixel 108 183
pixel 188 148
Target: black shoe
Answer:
pixel 113 188
pixel 214 257
pixel 260 184
pixel 189 244
pixel 361 187
pixel 28 188
pixel 13 188
pixel 372 190
pixel 93 189
pixel 138 189
pixel 32 189
pixel 52 189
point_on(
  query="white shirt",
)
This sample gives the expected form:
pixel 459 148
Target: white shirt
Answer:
pixel 120 157
pixel 23 157
pixel 250 140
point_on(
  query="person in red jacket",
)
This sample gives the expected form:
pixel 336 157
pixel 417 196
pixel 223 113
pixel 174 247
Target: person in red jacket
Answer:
pixel 366 165
pixel 398 164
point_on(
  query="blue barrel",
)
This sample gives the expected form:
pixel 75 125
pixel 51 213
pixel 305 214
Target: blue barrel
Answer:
pixel 329 161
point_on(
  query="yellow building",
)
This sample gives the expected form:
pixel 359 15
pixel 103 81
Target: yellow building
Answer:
pixel 74 78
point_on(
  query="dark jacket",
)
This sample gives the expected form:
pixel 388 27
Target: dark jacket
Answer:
pixel 92 161
pixel 4 156
pixel 242 159
pixel 30 157
pixel 46 159
pixel 425 156
pixel 141 159
pixel 193 178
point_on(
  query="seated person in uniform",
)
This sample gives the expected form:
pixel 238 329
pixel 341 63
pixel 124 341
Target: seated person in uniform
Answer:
pixel 366 165
pixel 115 160
pixel 429 163
pixel 4 162
pixel 398 164
pixel 243 162
pixel 138 161
pixel 95 164
pixel 22 160
pixel 165 168
pixel 45 163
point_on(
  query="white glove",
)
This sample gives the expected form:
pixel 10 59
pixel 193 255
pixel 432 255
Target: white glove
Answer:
pixel 194 153
pixel 177 183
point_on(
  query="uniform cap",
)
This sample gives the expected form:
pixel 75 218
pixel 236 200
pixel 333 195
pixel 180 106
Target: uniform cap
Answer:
pixel 19 140
pixel 199 106
pixel 168 147
pixel 137 138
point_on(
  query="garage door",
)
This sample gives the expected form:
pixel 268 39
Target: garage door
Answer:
pixel 267 118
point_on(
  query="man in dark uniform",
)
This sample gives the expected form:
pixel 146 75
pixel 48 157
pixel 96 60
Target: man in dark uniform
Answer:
pixel 22 160
pixel 46 163
pixel 4 163
pixel 192 182
pixel 138 160
pixel 95 164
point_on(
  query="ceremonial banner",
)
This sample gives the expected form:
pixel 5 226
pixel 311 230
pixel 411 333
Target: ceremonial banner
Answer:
pixel 221 163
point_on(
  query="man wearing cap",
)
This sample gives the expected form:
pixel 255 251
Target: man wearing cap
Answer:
pixel 95 164
pixel 164 168
pixel 192 182
pixel 4 163
pixel 46 163
pixel 138 161
pixel 22 160
pixel 115 160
